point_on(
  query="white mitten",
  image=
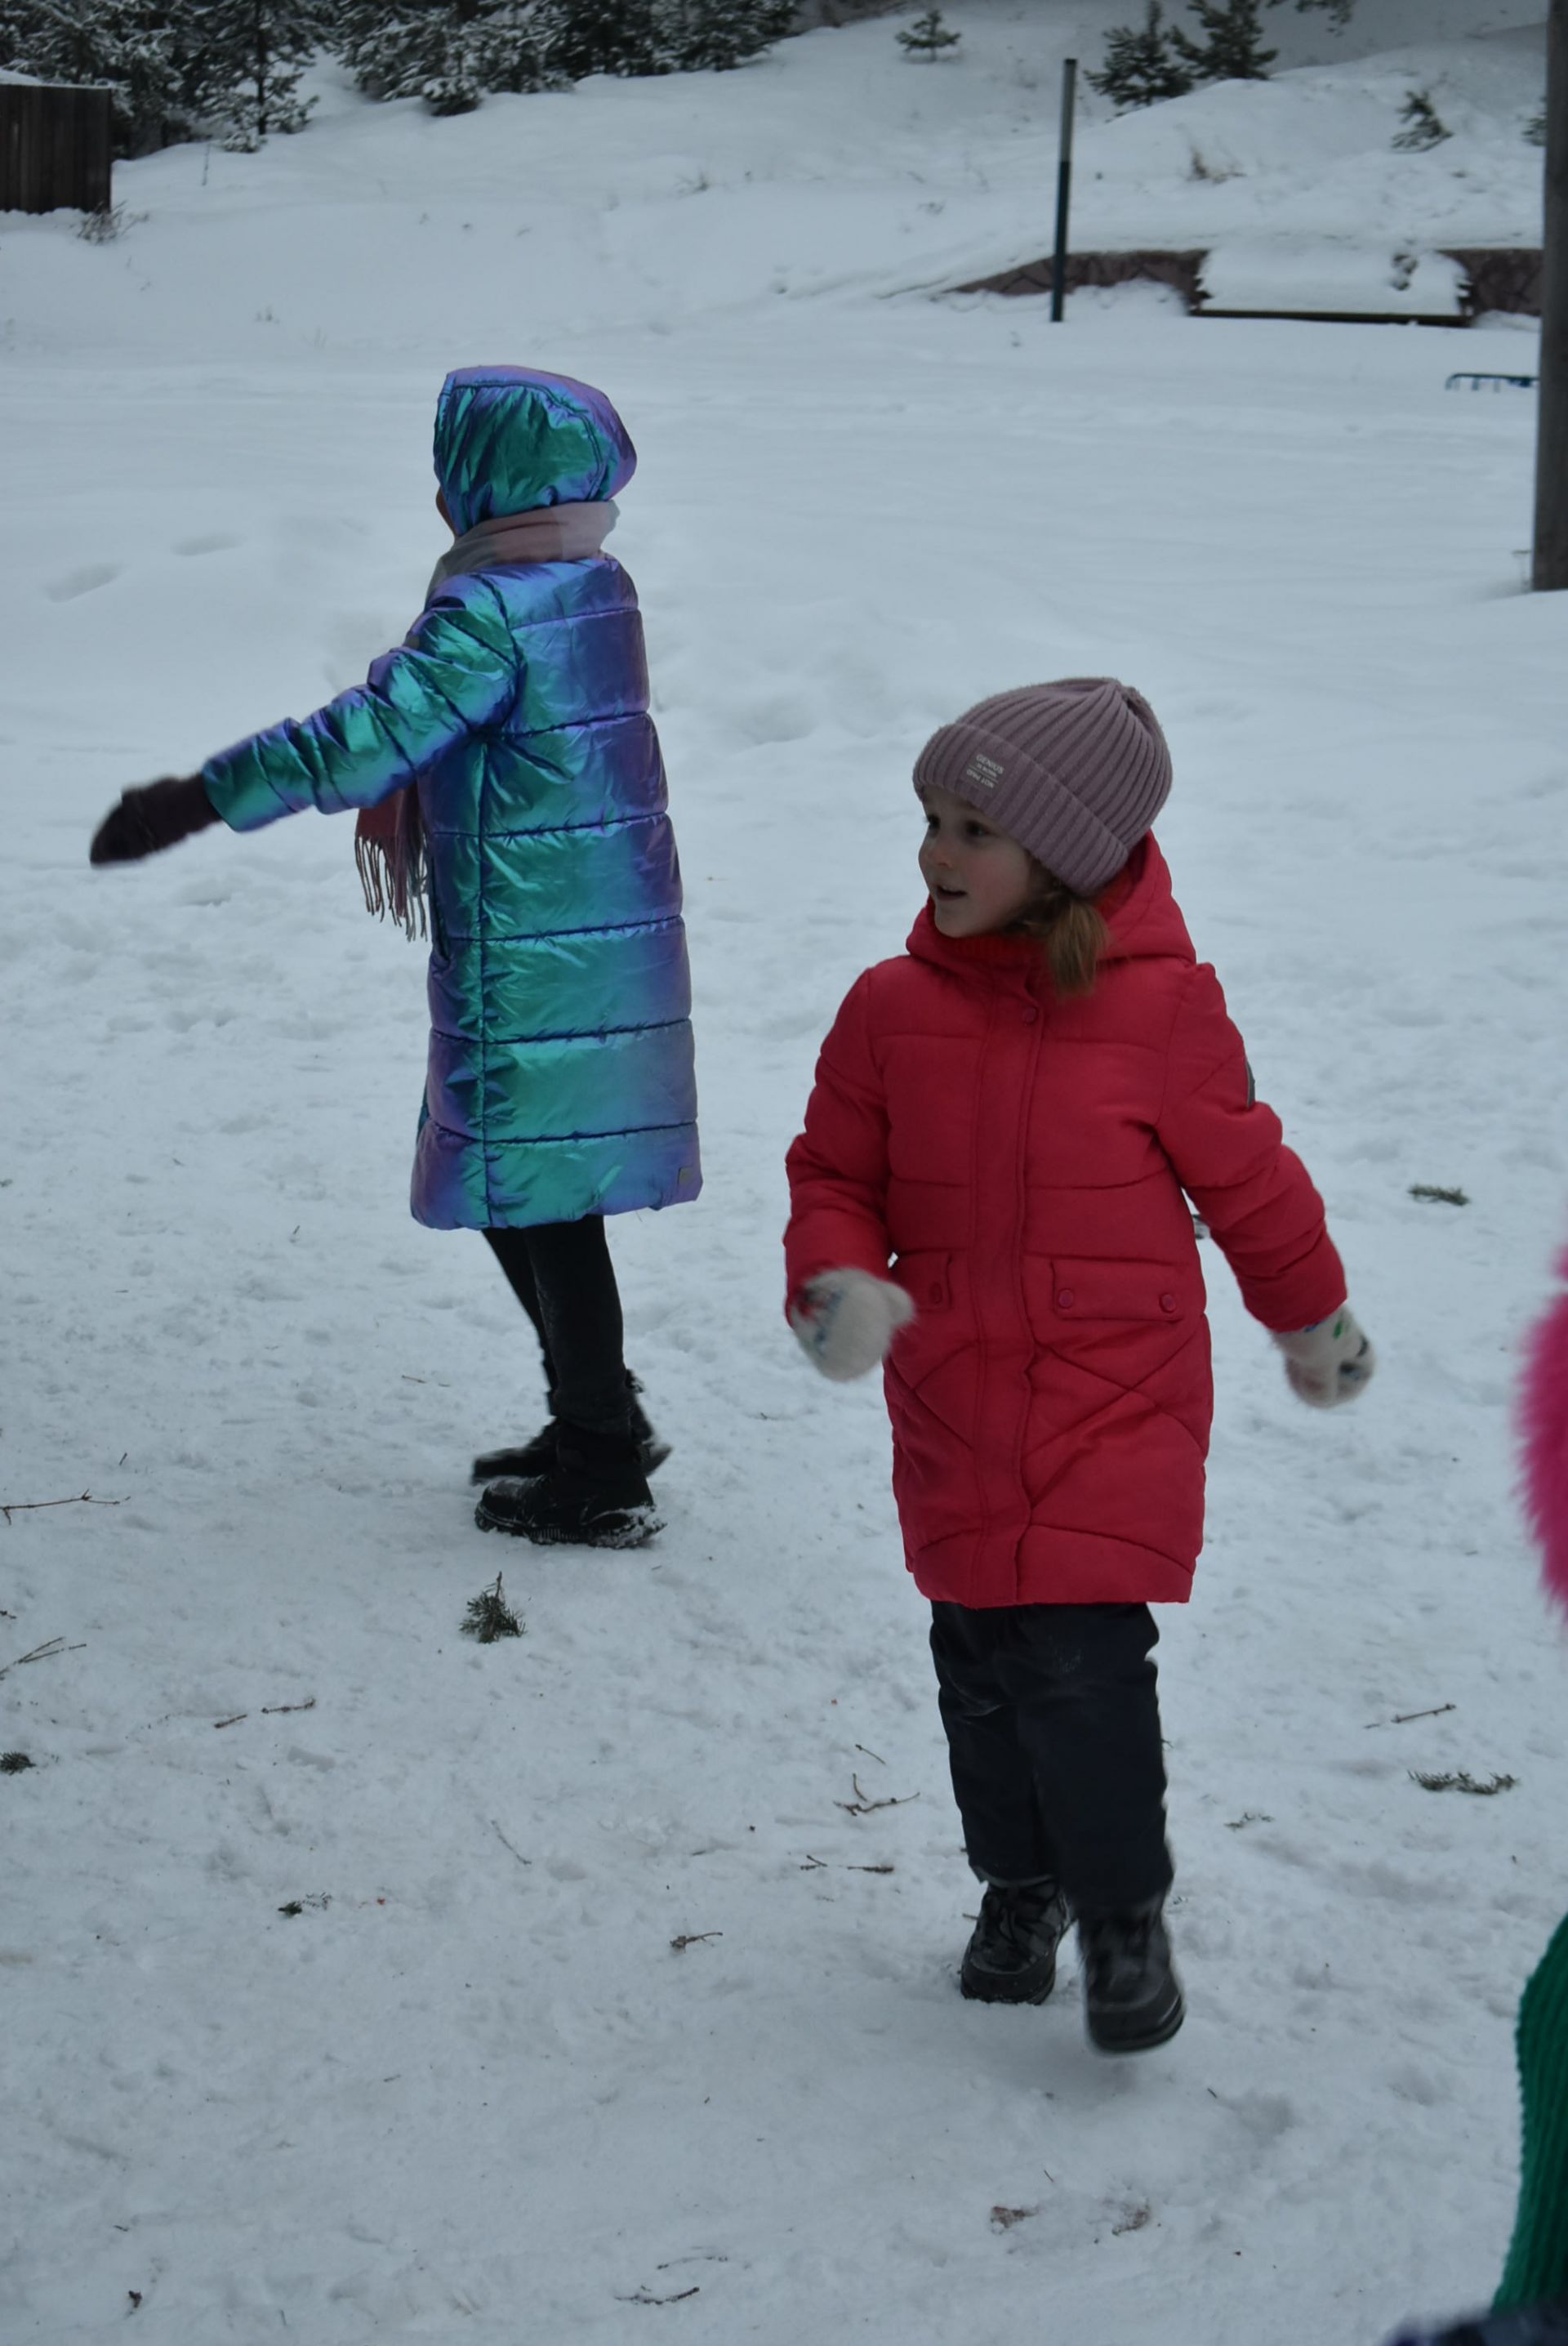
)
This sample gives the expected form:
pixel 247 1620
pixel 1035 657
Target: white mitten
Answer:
pixel 1328 1363
pixel 846 1320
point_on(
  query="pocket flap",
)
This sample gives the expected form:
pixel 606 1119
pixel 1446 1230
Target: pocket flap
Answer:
pixel 1084 1289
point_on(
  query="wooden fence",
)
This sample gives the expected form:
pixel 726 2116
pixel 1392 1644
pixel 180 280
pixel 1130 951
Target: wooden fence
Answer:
pixel 1497 277
pixel 53 148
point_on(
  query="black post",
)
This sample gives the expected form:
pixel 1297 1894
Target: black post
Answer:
pixel 1064 187
pixel 1549 568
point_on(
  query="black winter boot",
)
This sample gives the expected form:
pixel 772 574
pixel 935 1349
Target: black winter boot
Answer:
pixel 1012 1956
pixel 595 1494
pixel 538 1456
pixel 1132 1997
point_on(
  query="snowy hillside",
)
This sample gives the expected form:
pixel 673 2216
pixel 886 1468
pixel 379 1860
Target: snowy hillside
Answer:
pixel 473 2088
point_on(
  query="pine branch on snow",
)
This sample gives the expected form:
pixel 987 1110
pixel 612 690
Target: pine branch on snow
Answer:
pixel 489 1617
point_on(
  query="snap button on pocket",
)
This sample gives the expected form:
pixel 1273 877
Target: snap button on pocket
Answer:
pixel 1064 1299
pixel 1030 1016
pixel 1168 1304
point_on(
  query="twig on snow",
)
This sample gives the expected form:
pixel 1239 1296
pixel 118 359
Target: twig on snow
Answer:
pixel 693 1939
pixel 1403 1717
pixel 231 1722
pixel 507 1844
pixel 861 1807
pixel 276 1709
pixel 647 2297
pixel 871 1754
pixel 43 1653
pixel 9 1507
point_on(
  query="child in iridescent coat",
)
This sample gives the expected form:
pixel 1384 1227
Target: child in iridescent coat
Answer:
pixel 513 800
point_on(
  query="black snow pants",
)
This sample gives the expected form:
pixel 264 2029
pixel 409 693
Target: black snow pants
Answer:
pixel 1053 1733
pixel 562 1275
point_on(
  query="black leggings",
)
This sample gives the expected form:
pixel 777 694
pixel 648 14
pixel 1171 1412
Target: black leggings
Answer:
pixel 1053 1733
pixel 562 1275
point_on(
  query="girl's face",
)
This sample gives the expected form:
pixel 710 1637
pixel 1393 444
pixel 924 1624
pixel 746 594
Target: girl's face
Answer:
pixel 980 878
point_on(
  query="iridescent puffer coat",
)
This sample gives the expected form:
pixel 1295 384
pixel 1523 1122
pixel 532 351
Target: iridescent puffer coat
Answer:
pixel 560 1078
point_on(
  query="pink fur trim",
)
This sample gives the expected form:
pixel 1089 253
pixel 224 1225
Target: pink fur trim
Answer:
pixel 1544 1435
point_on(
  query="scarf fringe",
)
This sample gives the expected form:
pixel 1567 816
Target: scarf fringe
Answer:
pixel 394 881
pixel 389 838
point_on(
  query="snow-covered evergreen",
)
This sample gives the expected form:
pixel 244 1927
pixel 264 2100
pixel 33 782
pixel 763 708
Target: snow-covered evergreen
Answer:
pixel 256 52
pixel 449 52
pixel 1232 47
pixel 1141 66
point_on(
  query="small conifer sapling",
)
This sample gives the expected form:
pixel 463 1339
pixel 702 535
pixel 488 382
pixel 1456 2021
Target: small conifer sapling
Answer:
pixel 928 36
pixel 1140 66
pixel 1232 47
pixel 1425 127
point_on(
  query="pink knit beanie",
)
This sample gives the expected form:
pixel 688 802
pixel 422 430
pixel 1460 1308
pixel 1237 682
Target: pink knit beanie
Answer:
pixel 1075 772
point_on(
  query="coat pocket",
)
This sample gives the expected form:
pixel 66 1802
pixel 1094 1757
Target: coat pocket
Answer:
pixel 927 1280
pixel 1085 1288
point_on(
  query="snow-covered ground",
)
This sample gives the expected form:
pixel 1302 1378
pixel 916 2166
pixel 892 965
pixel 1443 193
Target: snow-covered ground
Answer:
pixel 479 2094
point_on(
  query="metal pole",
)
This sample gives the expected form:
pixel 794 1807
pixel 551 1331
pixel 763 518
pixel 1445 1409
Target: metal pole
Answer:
pixel 1064 185
pixel 1550 567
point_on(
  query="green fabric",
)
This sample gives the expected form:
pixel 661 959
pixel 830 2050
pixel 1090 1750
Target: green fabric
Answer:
pixel 1537 2265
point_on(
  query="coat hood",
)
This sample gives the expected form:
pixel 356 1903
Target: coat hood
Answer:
pixel 509 438
pixel 1139 908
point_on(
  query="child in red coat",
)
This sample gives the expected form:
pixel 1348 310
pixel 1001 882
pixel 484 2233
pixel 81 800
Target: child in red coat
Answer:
pixel 1016 1111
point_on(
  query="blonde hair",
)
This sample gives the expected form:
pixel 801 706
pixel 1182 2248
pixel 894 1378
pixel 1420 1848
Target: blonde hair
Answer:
pixel 1069 929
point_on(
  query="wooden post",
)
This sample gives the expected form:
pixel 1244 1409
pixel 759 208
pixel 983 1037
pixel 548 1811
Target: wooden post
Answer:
pixel 1549 569
pixel 1064 187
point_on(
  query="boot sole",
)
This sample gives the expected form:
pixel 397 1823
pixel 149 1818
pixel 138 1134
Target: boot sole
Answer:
pixel 629 1527
pixel 983 1990
pixel 1158 2031
pixel 1024 1987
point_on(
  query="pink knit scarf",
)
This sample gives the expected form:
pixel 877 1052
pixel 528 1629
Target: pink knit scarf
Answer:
pixel 389 838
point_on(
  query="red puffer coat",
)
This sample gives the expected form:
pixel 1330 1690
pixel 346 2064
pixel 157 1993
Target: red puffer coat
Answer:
pixel 1023 1160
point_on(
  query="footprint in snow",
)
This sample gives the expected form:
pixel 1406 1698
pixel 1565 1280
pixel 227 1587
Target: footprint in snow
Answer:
pixel 215 542
pixel 86 581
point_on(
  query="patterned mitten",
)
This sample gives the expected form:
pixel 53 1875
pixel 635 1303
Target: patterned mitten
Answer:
pixel 152 818
pixel 846 1320
pixel 1328 1363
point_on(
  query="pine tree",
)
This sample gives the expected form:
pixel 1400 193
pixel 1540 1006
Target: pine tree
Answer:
pixel 449 52
pixel 157 89
pixel 613 36
pixel 1140 68
pixel 254 52
pixel 720 34
pixel 927 36
pixel 1425 127
pixel 1233 47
